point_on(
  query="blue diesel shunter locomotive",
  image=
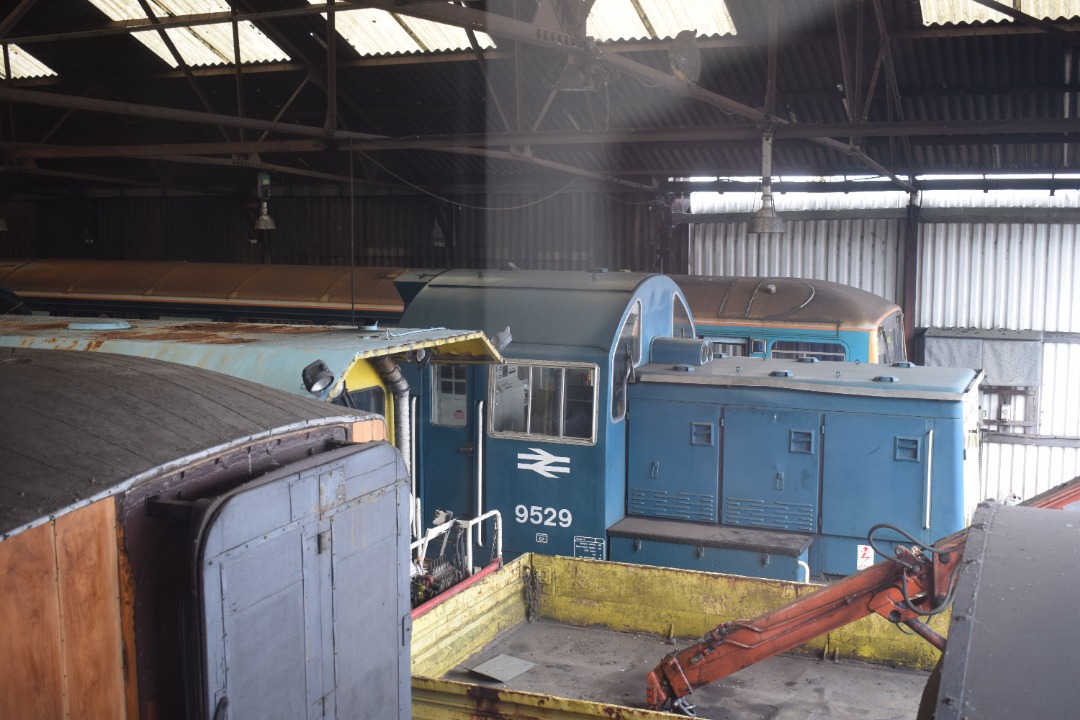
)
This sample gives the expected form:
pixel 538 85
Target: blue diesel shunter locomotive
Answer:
pixel 757 466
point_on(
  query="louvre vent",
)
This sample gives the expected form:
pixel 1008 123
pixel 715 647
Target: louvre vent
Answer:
pixel 780 515
pixel 661 503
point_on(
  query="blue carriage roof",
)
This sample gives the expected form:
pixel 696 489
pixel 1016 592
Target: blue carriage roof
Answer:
pixel 868 379
pixel 554 308
pixel 272 355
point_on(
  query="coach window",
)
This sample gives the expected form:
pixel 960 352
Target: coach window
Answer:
pixel 729 347
pixel 449 398
pixel 627 357
pixel 555 402
pixel 794 350
pixel 681 325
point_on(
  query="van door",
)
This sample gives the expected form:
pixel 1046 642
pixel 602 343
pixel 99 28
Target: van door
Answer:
pixel 302 582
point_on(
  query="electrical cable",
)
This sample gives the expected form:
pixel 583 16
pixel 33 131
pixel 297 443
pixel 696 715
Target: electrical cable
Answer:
pixel 927 549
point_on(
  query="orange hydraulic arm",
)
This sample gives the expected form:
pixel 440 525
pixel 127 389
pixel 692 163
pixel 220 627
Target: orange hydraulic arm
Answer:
pixel 916 582
pixel 1065 496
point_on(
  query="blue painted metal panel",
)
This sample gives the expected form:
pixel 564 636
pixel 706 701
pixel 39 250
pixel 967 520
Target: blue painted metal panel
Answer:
pixel 891 451
pixel 771 468
pixel 878 470
pixel 674 461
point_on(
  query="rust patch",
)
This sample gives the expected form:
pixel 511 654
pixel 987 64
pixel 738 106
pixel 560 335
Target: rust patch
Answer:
pixel 254 328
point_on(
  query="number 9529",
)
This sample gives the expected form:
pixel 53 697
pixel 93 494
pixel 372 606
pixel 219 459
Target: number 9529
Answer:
pixel 537 515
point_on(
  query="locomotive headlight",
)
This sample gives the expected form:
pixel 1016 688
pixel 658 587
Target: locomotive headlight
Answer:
pixel 317 377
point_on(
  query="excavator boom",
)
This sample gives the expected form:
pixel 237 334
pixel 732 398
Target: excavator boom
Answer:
pixel 915 583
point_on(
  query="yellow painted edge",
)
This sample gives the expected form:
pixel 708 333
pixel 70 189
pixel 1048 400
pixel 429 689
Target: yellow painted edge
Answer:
pixel 447 700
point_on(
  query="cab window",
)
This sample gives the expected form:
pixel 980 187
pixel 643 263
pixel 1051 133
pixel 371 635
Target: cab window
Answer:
pixel 449 397
pixel 627 357
pixel 555 402
pixel 891 345
pixel 369 399
pixel 681 324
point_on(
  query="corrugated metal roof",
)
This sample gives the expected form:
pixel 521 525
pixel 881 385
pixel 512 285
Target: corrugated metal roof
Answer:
pixel 24 65
pixel 1005 73
pixel 658 19
pixel 949 12
pixel 203 45
pixel 377 32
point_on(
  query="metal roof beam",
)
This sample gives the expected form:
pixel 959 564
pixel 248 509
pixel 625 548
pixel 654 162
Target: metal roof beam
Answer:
pixel 121 108
pixel 1046 27
pixel 1002 132
pixel 15 16
pixel 41 152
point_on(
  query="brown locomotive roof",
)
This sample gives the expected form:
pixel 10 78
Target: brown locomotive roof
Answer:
pixel 775 299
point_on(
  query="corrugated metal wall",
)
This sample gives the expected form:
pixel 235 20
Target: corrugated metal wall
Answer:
pixel 865 253
pixel 1060 398
pixel 1026 470
pixel 1017 274
pixel 1012 275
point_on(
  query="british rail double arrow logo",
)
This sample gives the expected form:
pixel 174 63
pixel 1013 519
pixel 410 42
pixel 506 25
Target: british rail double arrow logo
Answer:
pixel 543 463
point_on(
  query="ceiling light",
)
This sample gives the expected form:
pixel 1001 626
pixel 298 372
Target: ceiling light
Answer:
pixel 765 220
pixel 264 221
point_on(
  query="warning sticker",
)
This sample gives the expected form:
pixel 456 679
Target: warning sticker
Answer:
pixel 865 557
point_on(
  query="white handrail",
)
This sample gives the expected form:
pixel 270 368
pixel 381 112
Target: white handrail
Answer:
pixel 420 547
pixel 480 471
pixel 417 518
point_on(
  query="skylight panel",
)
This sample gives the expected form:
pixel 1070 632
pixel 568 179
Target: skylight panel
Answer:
pixel 377 32
pixel 619 19
pixel 201 45
pixel 24 65
pixel 949 12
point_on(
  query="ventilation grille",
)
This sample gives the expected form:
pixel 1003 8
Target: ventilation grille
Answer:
pixel 661 503
pixel 780 515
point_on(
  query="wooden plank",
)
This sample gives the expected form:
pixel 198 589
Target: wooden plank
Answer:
pixel 126 575
pixel 86 561
pixel 369 430
pixel 453 631
pixel 31 679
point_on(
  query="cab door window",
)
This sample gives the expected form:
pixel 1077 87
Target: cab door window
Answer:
pixel 555 402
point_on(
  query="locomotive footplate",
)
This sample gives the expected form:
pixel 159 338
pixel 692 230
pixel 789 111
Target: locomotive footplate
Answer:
pixel 711 548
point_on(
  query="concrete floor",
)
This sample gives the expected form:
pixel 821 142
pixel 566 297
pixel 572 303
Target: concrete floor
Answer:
pixel 610 667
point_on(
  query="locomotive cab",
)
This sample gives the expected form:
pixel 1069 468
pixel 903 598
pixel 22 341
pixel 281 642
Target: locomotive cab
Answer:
pixel 541 438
